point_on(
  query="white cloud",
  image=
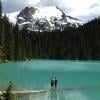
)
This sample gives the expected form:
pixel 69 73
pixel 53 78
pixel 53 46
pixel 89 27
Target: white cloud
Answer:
pixel 83 9
pixel 80 6
pixel 31 2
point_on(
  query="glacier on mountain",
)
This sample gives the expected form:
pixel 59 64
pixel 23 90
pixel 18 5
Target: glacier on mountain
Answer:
pixel 43 19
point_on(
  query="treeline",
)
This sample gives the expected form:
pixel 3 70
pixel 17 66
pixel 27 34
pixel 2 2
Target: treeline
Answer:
pixel 73 43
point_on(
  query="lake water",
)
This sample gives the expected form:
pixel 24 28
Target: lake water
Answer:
pixel 83 76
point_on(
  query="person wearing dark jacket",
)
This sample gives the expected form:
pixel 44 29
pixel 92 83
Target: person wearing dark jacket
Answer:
pixel 56 81
pixel 52 82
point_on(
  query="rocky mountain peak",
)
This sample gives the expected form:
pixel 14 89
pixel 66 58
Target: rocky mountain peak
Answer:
pixel 45 19
pixel 26 13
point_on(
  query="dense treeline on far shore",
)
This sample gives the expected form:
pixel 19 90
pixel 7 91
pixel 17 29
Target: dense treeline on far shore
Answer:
pixel 73 43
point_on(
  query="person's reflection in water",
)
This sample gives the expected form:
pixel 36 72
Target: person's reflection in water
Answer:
pixel 53 95
pixel 63 95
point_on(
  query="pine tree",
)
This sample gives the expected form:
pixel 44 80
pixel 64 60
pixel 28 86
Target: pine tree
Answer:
pixel 16 42
pixel 9 95
pixel 7 37
pixel 1 31
pixel 0 9
pixel 0 22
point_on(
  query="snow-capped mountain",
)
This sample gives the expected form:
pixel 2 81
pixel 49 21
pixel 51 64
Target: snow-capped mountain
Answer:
pixel 43 19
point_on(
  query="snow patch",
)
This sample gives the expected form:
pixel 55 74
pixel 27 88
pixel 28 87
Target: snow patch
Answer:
pixel 13 17
pixel 47 12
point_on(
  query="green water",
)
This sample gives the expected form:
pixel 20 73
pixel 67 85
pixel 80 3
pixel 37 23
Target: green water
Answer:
pixel 83 76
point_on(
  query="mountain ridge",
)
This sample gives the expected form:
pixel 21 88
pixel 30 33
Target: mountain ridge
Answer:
pixel 43 19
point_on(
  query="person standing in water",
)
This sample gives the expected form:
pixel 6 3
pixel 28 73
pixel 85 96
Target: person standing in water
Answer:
pixel 56 81
pixel 53 83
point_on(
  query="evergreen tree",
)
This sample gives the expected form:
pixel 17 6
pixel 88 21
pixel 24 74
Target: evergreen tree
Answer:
pixel 9 95
pixel 16 43
pixel 0 22
pixel 0 9
pixel 7 38
pixel 1 31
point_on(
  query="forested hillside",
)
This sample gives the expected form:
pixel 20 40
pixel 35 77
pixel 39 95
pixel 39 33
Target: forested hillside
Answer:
pixel 72 43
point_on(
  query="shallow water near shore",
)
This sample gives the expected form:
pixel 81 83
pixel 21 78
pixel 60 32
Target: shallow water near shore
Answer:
pixel 83 76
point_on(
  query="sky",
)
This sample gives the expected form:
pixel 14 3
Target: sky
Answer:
pixel 83 9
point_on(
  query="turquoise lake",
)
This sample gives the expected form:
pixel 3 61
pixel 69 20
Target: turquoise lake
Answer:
pixel 83 76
